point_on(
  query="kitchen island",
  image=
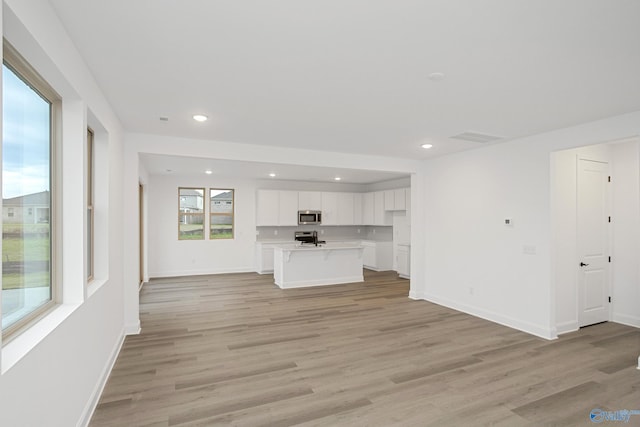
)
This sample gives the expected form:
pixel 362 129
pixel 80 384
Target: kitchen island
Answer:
pixel 297 266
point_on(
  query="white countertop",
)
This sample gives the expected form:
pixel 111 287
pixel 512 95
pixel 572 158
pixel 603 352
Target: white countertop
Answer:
pixel 321 246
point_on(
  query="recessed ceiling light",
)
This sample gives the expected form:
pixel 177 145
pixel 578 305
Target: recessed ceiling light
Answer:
pixel 208 172
pixel 169 170
pixel 337 178
pixel 272 175
pixel 436 77
pixel 200 118
pixel 426 146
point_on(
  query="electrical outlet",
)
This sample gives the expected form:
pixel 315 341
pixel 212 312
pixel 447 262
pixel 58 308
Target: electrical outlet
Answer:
pixel 358 231
pixel 471 290
pixel 321 231
pixel 275 232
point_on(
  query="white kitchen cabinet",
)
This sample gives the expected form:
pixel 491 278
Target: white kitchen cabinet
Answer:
pixel 264 258
pixel 367 209
pixel 395 200
pixel 310 201
pixel 399 199
pixel 404 261
pixel 329 208
pixel 380 216
pixel 377 256
pixel 346 209
pixel 288 208
pixel 276 208
pixel 357 209
pixel 389 200
pixel 267 208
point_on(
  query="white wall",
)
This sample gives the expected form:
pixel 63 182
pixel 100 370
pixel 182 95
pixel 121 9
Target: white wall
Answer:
pixel 52 374
pixel 473 262
pixel 626 233
pixel 169 256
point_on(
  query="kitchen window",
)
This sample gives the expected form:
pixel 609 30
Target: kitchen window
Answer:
pixel 221 213
pixel 30 118
pixel 190 213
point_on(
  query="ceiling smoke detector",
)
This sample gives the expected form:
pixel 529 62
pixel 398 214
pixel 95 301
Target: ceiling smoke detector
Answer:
pixel 476 137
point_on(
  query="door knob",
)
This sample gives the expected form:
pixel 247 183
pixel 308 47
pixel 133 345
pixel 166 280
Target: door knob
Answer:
pixel 582 264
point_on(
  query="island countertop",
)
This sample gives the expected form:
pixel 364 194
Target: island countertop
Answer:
pixel 320 247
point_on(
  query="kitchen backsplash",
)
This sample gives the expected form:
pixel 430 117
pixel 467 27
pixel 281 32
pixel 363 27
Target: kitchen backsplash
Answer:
pixel 369 232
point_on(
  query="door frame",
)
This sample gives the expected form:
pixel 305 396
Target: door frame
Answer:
pixel 141 225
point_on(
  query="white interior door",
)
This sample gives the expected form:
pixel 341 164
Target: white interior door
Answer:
pixel 593 242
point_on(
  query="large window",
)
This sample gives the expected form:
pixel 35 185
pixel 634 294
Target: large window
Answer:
pixel 221 213
pixel 191 213
pixel 29 118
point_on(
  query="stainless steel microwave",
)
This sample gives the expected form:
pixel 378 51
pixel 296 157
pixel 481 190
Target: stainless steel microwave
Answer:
pixel 309 217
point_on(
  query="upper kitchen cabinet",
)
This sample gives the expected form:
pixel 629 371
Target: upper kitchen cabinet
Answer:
pixel 396 200
pixel 367 209
pixel 346 209
pixel 329 208
pixel 309 201
pixel 288 207
pixel 357 208
pixel 267 207
pixel 389 200
pixel 380 215
pixel 275 207
pixel 400 199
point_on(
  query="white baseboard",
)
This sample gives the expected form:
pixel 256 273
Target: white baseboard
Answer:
pixel 199 272
pixel 530 328
pixel 90 408
pixel 132 328
pixel 627 320
pixel 566 327
pixel 321 282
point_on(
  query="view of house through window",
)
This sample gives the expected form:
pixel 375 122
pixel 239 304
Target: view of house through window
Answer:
pixel 27 286
pixel 221 213
pixel 191 213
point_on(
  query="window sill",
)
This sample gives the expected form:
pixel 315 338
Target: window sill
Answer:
pixel 21 345
pixel 94 286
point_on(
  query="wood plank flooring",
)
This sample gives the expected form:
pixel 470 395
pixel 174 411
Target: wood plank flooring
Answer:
pixel 236 350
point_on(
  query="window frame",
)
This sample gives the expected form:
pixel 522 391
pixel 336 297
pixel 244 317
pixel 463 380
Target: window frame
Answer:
pixel 90 239
pixel 12 59
pixel 189 214
pixel 233 213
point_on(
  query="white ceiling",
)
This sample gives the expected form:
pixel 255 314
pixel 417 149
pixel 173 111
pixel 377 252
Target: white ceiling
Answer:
pixel 352 75
pixel 157 164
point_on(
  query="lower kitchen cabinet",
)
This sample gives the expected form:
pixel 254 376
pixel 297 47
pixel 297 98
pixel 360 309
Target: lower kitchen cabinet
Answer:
pixel 377 256
pixel 404 261
pixel 264 258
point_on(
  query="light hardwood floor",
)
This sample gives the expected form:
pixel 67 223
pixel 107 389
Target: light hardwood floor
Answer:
pixel 236 350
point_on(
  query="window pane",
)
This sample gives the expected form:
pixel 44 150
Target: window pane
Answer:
pixel 191 213
pixel 221 210
pixel 26 248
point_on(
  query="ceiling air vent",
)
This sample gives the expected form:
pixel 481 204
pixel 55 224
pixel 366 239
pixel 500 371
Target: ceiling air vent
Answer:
pixel 476 137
